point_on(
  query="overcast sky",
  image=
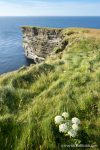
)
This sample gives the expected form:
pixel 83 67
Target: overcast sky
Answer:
pixel 49 7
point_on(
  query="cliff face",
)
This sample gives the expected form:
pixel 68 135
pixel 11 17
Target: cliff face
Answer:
pixel 40 42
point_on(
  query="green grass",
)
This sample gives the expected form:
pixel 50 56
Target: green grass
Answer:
pixel 30 98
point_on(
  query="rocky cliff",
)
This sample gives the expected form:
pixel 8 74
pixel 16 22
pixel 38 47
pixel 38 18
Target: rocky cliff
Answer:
pixel 40 42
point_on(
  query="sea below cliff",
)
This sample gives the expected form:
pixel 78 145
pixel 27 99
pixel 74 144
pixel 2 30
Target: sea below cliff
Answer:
pixel 11 52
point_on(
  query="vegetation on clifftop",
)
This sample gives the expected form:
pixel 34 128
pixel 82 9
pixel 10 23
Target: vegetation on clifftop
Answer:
pixel 67 81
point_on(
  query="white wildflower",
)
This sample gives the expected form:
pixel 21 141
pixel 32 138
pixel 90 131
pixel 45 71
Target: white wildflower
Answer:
pixel 72 133
pixel 63 128
pixel 65 115
pixel 58 120
pixel 75 120
pixel 75 127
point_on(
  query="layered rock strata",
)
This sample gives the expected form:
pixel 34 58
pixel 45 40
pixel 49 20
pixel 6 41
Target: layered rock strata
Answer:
pixel 40 42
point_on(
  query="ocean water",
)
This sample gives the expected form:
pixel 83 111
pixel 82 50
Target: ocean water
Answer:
pixel 11 52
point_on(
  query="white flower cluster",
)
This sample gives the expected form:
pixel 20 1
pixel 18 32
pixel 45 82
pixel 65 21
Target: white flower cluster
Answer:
pixel 66 126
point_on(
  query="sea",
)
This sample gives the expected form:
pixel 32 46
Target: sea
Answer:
pixel 11 51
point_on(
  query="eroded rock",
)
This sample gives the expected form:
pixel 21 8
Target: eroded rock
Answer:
pixel 40 42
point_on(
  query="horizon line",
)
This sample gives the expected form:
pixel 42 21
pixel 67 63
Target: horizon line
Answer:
pixel 52 16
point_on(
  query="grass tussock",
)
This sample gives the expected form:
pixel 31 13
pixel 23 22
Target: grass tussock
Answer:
pixel 31 98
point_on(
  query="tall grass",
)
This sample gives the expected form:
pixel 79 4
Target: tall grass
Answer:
pixel 31 98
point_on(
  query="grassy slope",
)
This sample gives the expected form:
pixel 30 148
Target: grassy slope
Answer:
pixel 68 81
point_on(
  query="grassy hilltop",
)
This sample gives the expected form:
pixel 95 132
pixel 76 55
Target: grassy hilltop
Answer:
pixel 69 80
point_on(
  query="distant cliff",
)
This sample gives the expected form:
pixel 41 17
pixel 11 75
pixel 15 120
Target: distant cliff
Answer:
pixel 40 42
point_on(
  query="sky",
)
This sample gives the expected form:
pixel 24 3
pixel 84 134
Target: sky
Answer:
pixel 49 7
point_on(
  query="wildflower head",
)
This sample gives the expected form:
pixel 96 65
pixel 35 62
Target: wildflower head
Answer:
pixel 72 133
pixel 75 120
pixel 58 120
pixel 75 127
pixel 63 128
pixel 65 115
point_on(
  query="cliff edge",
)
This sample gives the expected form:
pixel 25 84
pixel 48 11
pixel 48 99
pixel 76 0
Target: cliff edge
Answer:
pixel 67 81
pixel 39 43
